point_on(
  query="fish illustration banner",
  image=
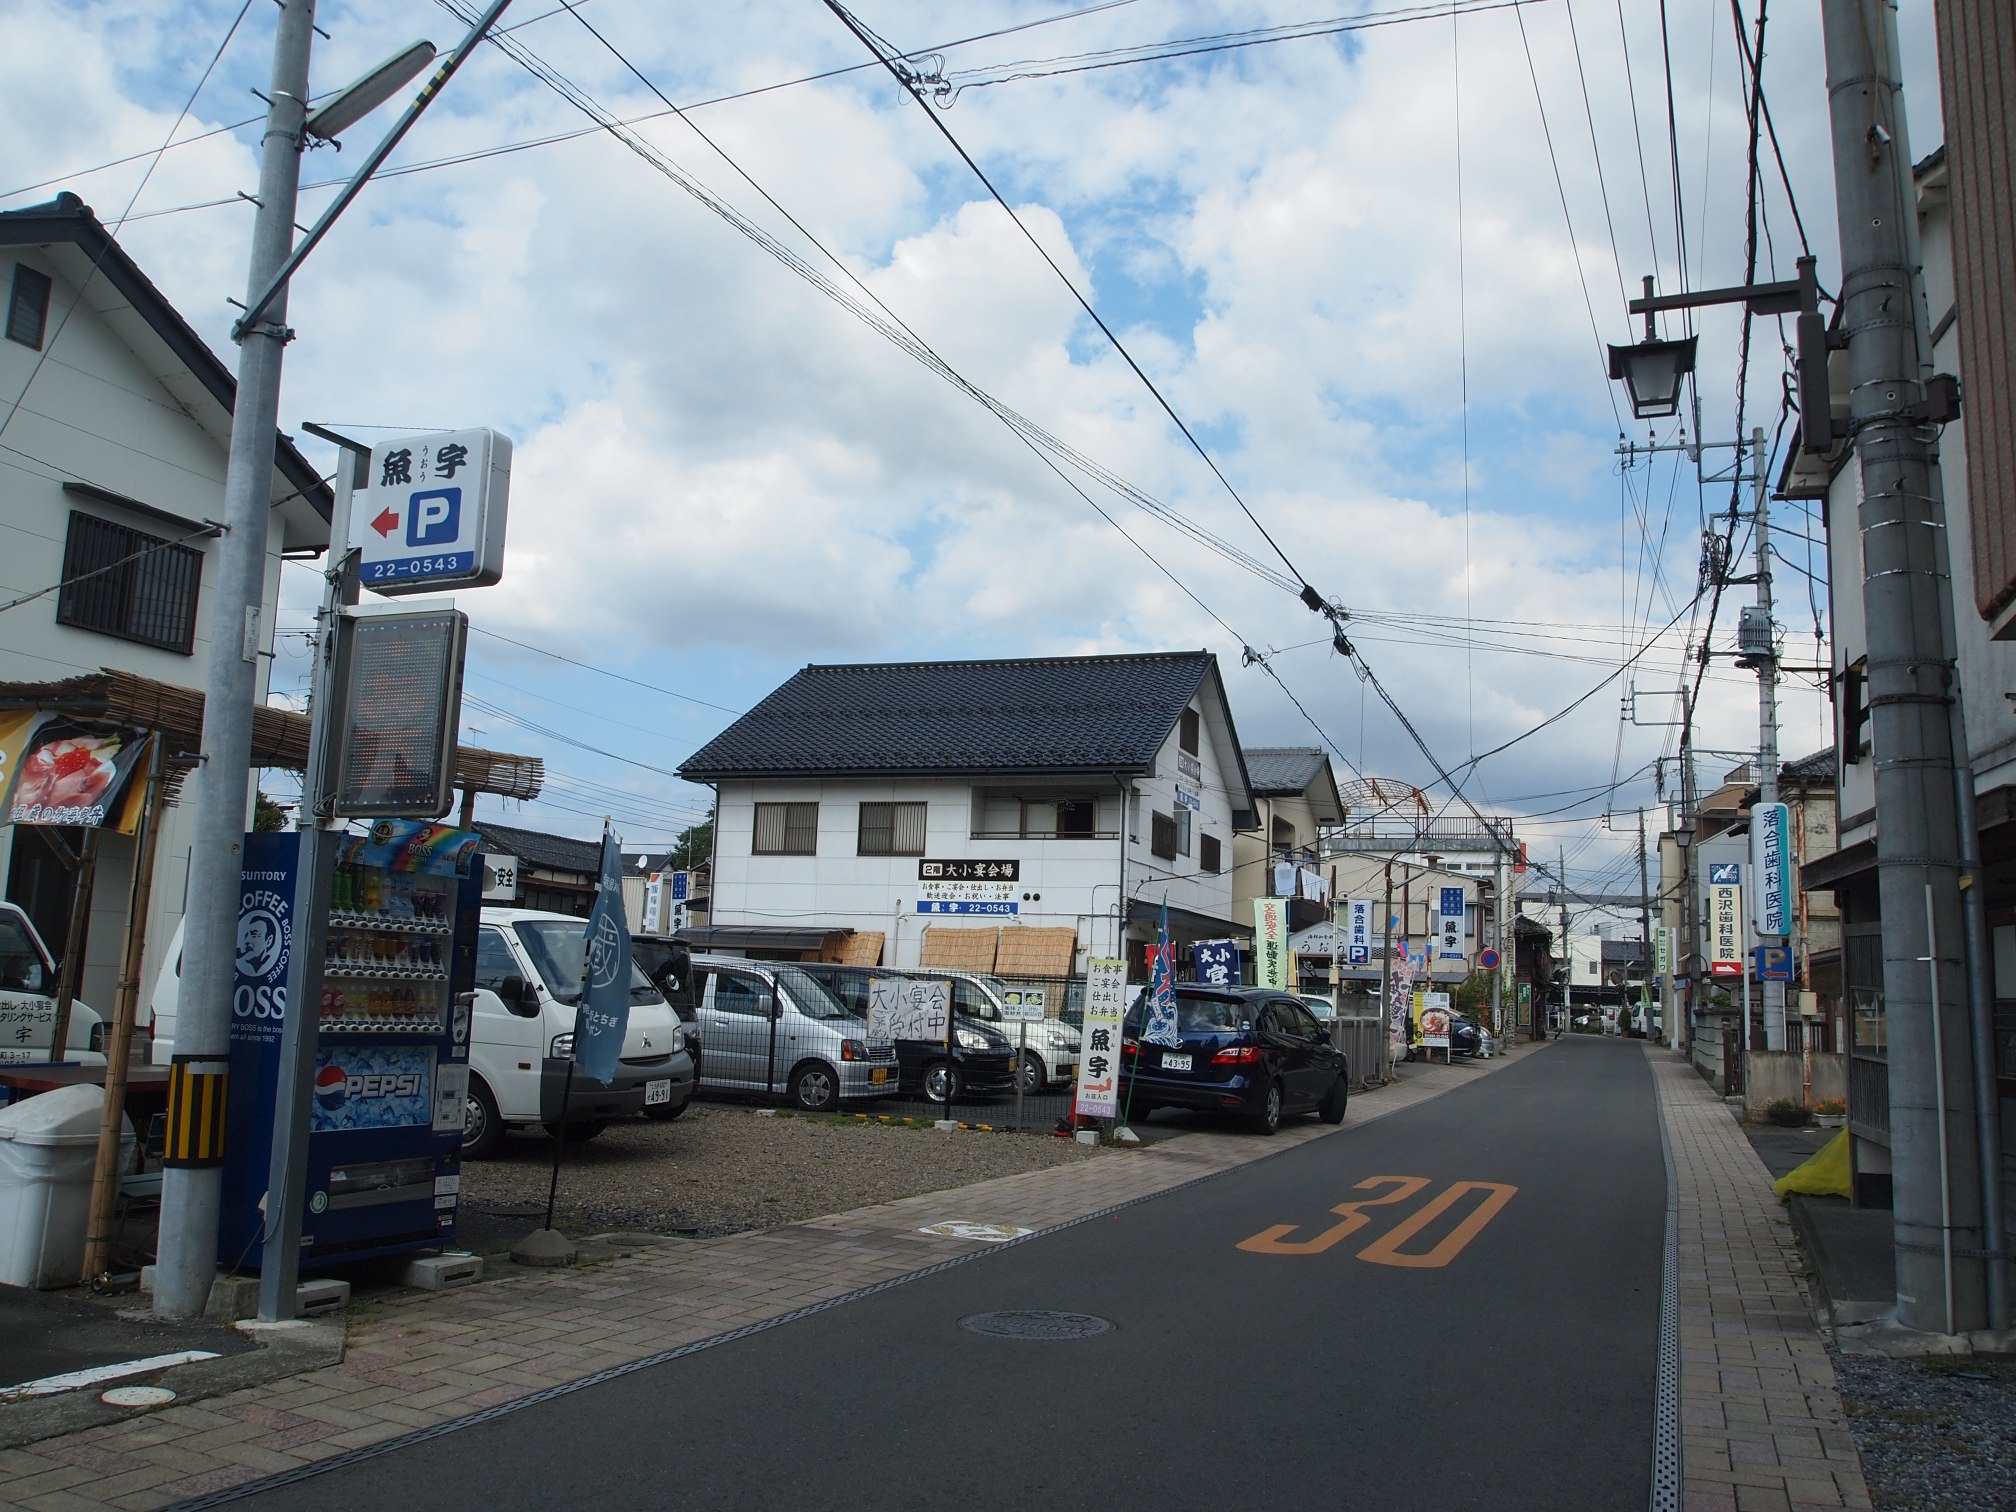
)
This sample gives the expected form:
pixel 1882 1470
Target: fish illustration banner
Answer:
pixel 64 771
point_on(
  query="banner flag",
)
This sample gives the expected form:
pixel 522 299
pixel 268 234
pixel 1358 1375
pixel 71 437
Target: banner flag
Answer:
pixel 1162 991
pixel 604 1015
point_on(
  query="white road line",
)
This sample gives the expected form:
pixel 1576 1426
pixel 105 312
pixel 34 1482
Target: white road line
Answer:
pixel 50 1385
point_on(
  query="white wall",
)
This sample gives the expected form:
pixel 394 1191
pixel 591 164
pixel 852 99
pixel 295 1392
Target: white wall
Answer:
pixel 96 412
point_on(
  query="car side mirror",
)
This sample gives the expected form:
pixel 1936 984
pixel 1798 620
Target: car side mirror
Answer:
pixel 520 996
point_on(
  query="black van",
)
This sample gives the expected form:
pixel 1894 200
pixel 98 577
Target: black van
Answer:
pixel 983 1063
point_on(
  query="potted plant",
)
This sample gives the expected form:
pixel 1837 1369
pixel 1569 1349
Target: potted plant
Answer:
pixel 1788 1113
pixel 1830 1113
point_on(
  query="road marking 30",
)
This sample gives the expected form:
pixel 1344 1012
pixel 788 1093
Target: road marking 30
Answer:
pixel 1388 1248
pixel 1275 1240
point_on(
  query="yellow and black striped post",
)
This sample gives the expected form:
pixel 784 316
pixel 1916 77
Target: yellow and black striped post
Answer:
pixel 195 1111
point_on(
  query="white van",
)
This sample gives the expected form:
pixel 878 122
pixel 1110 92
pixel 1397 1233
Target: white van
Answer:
pixel 28 1000
pixel 521 1043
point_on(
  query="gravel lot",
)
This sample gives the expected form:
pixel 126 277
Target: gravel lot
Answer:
pixel 1936 1435
pixel 723 1168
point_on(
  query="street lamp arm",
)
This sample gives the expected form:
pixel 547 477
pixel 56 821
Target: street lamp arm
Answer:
pixel 370 166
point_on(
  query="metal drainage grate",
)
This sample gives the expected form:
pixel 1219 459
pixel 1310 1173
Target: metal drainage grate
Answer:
pixel 1037 1325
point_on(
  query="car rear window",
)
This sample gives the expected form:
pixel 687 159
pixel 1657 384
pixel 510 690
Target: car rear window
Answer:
pixel 1198 1015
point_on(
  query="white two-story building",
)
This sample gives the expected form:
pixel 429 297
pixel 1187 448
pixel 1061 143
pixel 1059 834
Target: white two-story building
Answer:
pixel 1012 811
pixel 115 421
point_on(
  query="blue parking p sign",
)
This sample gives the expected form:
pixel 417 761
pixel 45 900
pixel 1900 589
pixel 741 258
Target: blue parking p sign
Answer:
pixel 433 518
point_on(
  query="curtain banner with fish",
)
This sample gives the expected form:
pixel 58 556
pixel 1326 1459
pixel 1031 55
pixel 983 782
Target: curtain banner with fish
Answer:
pixel 59 770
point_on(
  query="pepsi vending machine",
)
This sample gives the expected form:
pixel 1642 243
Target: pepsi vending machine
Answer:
pixel 391 1072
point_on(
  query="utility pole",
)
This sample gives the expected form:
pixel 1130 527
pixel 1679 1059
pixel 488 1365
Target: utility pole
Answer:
pixel 1644 922
pixel 1936 1172
pixel 1567 953
pixel 1690 904
pixel 191 1195
pixel 1386 979
pixel 1764 654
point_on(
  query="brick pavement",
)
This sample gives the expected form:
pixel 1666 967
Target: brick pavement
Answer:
pixel 1761 1419
pixel 420 1359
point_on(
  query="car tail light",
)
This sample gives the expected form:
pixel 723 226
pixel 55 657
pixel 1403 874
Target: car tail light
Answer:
pixel 1236 1055
pixel 1130 1048
pixel 852 1050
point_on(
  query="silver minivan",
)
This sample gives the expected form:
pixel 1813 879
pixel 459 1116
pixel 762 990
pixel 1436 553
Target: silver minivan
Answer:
pixel 775 1030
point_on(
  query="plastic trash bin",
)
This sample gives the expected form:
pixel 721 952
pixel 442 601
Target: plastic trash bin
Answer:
pixel 48 1145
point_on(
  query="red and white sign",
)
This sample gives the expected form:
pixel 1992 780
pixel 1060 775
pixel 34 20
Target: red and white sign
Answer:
pixel 1725 930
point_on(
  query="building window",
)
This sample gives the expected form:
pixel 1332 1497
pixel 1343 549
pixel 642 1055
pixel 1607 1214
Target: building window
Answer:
pixel 1186 739
pixel 787 829
pixel 1208 858
pixel 1182 831
pixel 1162 836
pixel 891 829
pixel 125 582
pixel 1059 818
pixel 28 306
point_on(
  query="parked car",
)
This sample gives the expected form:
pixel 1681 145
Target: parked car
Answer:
pixel 773 1029
pixel 521 1044
pixel 669 965
pixel 1318 1003
pixel 1250 1051
pixel 1464 1039
pixel 28 1000
pixel 981 1063
pixel 1046 1048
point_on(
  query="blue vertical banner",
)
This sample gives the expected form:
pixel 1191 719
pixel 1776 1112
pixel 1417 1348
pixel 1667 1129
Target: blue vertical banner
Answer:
pixel 1161 1028
pixel 604 1016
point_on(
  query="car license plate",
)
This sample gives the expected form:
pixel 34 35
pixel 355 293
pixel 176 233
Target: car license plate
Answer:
pixel 878 1077
pixel 657 1092
pixel 1171 1061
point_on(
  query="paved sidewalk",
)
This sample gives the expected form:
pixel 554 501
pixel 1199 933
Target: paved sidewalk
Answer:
pixel 414 1361
pixel 1761 1417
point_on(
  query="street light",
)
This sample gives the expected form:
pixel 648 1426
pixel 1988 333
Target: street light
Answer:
pixel 1652 371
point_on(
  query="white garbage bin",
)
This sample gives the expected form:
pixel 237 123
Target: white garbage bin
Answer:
pixel 48 1145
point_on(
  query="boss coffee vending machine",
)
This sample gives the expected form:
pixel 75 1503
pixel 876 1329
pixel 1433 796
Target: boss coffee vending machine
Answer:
pixel 391 1062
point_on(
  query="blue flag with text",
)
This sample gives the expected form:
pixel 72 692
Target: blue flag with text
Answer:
pixel 1161 1028
pixel 604 1015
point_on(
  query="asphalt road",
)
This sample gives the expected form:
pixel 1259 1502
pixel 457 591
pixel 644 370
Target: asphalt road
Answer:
pixel 1486 1346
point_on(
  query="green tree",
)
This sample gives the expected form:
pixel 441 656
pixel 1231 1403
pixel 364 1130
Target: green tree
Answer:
pixel 1473 993
pixel 695 846
pixel 268 817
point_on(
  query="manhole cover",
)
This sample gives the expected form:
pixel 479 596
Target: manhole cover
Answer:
pixel 137 1396
pixel 1037 1325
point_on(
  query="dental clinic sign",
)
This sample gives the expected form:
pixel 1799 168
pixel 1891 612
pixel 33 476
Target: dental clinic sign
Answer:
pixel 1770 868
pixel 432 515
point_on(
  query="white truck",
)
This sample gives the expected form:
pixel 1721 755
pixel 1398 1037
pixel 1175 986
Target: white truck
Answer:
pixel 28 1000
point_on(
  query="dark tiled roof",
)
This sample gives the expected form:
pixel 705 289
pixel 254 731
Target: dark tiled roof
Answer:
pixel 549 852
pixel 68 219
pixel 1281 770
pixel 1063 714
pixel 1818 767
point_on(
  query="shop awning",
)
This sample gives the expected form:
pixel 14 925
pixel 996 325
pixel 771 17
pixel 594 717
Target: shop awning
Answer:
pixel 279 736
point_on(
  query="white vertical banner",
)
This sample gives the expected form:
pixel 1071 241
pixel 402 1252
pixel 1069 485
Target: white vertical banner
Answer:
pixel 1358 931
pixel 1099 1066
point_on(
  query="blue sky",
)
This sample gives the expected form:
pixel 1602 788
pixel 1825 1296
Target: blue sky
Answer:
pixel 721 475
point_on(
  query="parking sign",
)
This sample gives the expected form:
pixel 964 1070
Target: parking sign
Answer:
pixel 433 514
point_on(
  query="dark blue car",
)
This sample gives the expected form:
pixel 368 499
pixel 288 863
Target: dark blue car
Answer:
pixel 1247 1051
